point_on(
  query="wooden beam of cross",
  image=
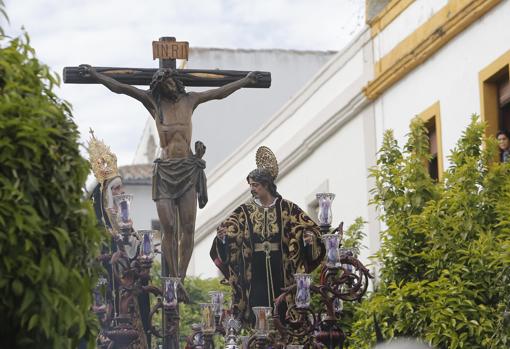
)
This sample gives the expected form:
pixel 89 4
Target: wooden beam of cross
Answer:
pixel 167 50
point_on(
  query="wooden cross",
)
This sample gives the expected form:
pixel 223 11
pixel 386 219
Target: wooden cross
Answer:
pixel 167 49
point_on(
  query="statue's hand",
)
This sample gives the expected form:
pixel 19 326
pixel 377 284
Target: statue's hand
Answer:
pixel 253 77
pixel 86 71
pixel 221 233
pixel 308 238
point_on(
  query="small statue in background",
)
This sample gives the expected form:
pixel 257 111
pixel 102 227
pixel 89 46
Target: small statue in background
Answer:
pixel 119 254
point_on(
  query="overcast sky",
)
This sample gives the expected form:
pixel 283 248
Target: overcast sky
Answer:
pixel 119 33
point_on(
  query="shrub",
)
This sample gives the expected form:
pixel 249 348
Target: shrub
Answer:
pixel 445 253
pixel 48 238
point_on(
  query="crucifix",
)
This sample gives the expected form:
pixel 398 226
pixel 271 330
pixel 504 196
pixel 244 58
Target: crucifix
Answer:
pixel 178 173
pixel 179 178
pixel 168 50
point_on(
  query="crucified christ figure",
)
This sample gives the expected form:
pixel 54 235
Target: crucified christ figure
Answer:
pixel 178 178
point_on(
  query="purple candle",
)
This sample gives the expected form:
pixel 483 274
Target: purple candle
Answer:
pixel 325 212
pixel 170 288
pixel 302 290
pixel 123 203
pixel 124 211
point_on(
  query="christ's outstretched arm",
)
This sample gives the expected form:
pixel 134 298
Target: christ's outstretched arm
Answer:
pixel 224 91
pixel 118 87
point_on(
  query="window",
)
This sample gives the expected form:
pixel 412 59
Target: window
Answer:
pixel 432 119
pixel 504 103
pixel 495 95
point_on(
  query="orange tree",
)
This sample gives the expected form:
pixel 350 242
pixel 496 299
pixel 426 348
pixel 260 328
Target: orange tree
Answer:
pixel 48 237
pixel 445 252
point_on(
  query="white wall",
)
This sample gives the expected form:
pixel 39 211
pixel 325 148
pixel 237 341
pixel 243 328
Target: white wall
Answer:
pixel 341 162
pixel 450 77
pixel 324 128
pixel 143 209
pixel 407 22
pixel 201 264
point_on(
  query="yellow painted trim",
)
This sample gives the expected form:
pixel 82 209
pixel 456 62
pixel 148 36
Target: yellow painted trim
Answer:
pixel 434 112
pixel 416 48
pixel 489 102
pixel 387 15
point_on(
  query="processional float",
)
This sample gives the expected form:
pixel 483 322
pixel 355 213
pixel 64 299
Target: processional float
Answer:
pixel 343 277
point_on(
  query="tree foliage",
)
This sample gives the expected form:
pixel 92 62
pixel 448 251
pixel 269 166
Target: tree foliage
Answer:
pixel 353 240
pixel 48 237
pixel 445 253
pixel 198 291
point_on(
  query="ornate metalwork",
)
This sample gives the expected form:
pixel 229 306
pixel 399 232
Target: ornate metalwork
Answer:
pixel 296 324
pixel 102 160
pixel 291 323
pixel 266 159
pixel 119 316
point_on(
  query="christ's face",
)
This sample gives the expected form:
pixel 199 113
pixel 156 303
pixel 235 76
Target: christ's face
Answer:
pixel 169 86
pixel 257 189
pixel 503 142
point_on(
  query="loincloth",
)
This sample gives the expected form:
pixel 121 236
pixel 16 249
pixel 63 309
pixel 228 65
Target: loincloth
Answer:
pixel 172 178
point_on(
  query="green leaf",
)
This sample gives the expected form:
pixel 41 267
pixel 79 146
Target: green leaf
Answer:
pixel 444 256
pixel 17 287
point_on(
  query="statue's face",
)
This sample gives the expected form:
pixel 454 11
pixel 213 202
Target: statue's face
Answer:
pixel 116 187
pixel 258 190
pixel 169 86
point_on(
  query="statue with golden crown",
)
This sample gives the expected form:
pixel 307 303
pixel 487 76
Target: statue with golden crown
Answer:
pixel 115 297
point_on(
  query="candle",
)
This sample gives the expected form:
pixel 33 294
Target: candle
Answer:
pixel 302 290
pixel 331 241
pixel 217 301
pixel 325 212
pixel 262 315
pixel 170 293
pixel 208 324
pixel 147 247
pixel 123 203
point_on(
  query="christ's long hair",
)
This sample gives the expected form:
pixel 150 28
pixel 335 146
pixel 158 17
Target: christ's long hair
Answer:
pixel 157 92
pixel 262 176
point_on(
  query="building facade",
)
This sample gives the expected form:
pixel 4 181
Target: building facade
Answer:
pixel 441 60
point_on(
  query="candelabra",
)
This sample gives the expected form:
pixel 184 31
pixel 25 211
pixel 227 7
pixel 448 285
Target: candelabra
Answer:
pixel 215 321
pixel 296 325
pixel 343 278
pixel 288 324
pixel 121 301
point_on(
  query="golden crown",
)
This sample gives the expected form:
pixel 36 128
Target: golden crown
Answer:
pixel 102 160
pixel 266 159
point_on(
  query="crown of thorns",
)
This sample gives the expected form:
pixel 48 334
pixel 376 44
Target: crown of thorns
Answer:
pixel 161 75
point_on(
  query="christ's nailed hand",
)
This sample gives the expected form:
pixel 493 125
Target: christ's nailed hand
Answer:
pixel 253 77
pixel 85 70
